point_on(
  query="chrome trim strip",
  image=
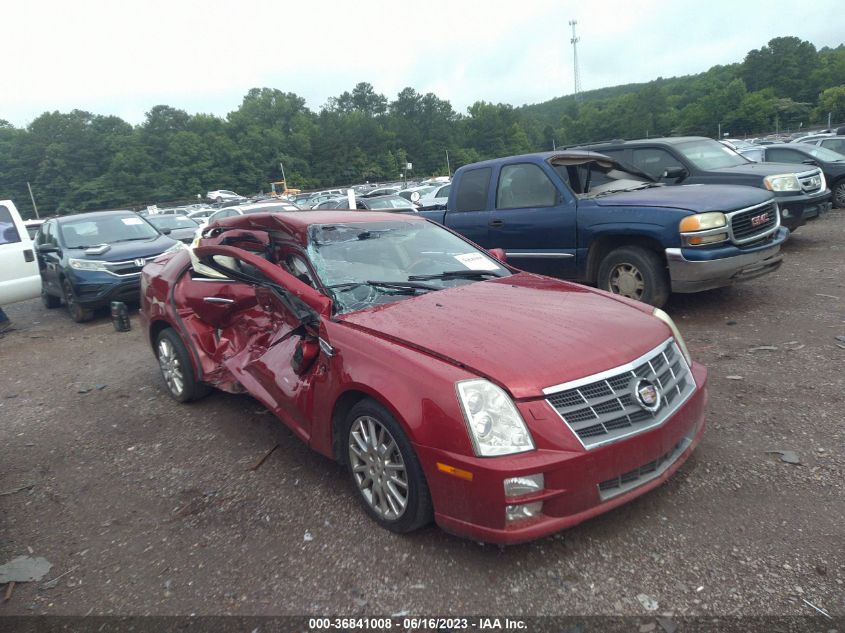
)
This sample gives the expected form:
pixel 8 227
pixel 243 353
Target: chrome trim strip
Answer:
pixel 220 300
pixel 539 254
pixel 580 382
pixel 328 350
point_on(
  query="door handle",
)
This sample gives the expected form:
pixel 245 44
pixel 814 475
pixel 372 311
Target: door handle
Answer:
pixel 218 300
pixel 497 223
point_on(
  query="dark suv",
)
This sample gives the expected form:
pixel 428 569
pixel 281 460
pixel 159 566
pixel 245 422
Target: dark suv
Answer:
pixel 90 259
pixel 800 191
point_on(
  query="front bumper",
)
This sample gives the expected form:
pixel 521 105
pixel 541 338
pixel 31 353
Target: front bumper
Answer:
pixel 476 508
pixel 693 270
pixel 96 289
pixel 797 210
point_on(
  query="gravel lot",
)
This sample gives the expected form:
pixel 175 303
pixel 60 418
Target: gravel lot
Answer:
pixel 150 507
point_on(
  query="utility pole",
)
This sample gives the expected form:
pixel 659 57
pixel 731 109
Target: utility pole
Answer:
pixel 31 197
pixel 828 120
pixel 448 167
pixel 574 41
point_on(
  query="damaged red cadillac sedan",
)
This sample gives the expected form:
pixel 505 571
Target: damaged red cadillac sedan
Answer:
pixel 503 405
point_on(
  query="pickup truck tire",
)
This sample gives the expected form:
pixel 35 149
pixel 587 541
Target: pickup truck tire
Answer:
pixel 635 272
pixel 384 469
pixel 839 194
pixel 51 302
pixel 176 368
pixel 77 312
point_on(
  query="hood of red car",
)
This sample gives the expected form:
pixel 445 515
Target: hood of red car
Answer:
pixel 525 332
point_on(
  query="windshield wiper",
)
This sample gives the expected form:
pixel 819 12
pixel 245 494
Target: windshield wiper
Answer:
pixel 456 274
pixel 406 286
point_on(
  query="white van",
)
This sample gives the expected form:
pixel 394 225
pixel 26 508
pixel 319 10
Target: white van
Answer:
pixel 19 276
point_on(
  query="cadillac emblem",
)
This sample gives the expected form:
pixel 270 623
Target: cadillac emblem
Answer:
pixel 647 395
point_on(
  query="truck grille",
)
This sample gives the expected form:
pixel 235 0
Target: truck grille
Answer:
pixel 605 407
pixel 748 225
pixel 811 181
pixel 124 269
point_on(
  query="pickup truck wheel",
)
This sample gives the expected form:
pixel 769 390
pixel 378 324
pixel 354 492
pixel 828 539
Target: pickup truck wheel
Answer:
pixel 839 194
pixel 176 368
pixel 385 470
pixel 77 312
pixel 50 302
pixel 636 273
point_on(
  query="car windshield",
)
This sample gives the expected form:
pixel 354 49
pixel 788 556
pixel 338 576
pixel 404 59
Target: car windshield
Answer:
pixel 593 178
pixel 710 154
pixel 389 202
pixel 363 264
pixel 86 232
pixel 171 222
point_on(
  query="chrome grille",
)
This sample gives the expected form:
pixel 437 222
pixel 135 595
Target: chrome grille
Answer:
pixel 602 408
pixel 753 223
pixel 811 181
pixel 125 268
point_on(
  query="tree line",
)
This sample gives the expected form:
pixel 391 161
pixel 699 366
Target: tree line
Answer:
pixel 81 161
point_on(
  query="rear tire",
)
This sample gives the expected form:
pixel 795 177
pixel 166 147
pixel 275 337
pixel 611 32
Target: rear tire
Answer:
pixel 176 368
pixel 77 312
pixel 636 273
pixel 50 302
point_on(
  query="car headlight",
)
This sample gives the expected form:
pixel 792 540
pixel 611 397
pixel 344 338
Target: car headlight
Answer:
pixel 660 314
pixel 782 182
pixel 494 424
pixel 703 221
pixel 87 264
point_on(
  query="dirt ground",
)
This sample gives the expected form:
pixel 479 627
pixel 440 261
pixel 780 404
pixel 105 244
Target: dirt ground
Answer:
pixel 145 506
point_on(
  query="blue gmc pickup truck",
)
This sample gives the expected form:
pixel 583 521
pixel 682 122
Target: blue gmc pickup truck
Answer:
pixel 582 216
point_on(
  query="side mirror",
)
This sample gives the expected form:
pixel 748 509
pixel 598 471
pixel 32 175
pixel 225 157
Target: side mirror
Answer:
pixel 809 161
pixel 304 355
pixel 47 248
pixel 166 231
pixel 675 172
pixel 499 253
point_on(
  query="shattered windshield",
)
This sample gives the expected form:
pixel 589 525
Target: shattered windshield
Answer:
pixel 363 264
pixel 593 178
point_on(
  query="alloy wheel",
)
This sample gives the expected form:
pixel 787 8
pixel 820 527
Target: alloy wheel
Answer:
pixel 378 468
pixel 171 368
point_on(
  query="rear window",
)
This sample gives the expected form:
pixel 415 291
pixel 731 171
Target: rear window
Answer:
pixel 8 230
pixel 472 191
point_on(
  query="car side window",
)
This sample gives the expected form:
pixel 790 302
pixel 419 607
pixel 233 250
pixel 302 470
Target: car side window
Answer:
pixel 835 144
pixel 472 191
pixel 754 154
pixel 654 161
pixel 443 192
pixel 524 186
pixel 778 155
pixel 8 230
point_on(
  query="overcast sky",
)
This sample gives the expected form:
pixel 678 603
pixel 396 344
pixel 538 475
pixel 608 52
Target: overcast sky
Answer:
pixel 123 58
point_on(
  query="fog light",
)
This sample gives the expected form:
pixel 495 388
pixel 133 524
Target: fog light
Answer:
pixel 526 485
pixel 523 512
pixel 785 213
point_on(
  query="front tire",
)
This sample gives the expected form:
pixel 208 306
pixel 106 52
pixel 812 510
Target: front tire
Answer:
pixel 385 470
pixel 839 194
pixel 176 368
pixel 50 302
pixel 636 273
pixel 77 312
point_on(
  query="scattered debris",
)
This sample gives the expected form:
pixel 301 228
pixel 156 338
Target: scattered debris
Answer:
pixel 649 603
pixel 840 338
pixel 24 569
pixel 257 464
pixel 790 457
pixel 307 537
pixel 734 378
pixel 818 294
pixel 10 396
pixel 730 322
pixel 667 625
pixel 50 584
pixel 822 611
pixel 762 348
pixel 9 589
pixel 647 628
pixel 100 387
pixel 16 490
pixel 83 390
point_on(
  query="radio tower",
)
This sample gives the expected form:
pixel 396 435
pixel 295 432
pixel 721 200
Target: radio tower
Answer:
pixel 574 41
